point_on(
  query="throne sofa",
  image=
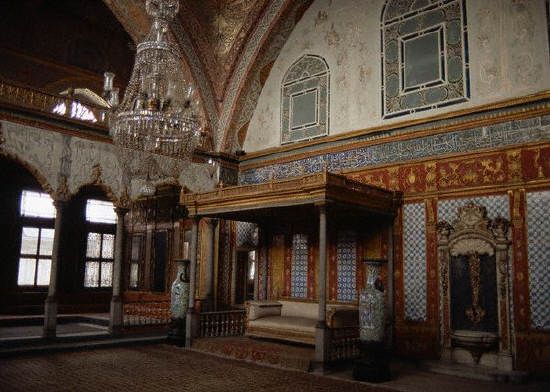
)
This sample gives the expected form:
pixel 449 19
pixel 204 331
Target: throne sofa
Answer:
pixel 293 320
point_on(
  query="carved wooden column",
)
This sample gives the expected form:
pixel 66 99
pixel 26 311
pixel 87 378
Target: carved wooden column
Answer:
pixel 210 262
pixel 233 274
pixel 265 254
pixel 50 306
pixel 500 229
pixel 192 322
pixel 116 319
pixel 321 331
pixel 389 303
pixel 444 229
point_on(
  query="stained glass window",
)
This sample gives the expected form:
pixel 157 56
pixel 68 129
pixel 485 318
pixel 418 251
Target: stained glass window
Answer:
pixel 305 100
pixel 424 56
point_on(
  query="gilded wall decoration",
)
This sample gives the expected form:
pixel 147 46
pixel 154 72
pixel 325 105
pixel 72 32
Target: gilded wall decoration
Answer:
pixel 502 135
pixel 245 86
pixel 219 31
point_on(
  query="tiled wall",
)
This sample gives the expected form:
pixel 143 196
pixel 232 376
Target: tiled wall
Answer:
pixel 346 251
pixel 414 248
pixel 538 247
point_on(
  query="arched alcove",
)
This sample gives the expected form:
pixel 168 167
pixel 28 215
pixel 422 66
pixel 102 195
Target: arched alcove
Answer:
pixel 17 177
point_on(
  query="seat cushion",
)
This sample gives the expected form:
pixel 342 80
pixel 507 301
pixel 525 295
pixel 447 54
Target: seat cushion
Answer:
pixel 298 324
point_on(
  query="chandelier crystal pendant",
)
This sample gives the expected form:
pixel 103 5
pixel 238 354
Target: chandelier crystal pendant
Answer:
pixel 158 113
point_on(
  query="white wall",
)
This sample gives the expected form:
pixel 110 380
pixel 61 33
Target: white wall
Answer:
pixel 508 48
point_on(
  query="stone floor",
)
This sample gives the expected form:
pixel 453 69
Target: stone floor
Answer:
pixel 167 368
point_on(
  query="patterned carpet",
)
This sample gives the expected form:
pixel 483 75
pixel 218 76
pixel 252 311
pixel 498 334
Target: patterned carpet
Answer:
pixel 155 368
pixel 283 355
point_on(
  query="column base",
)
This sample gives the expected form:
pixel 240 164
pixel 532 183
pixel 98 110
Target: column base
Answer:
pixel 50 318
pixel 116 319
pixel 191 327
pixel 373 366
pixel 321 344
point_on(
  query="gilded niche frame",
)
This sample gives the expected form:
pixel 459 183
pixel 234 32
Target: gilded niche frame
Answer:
pixel 473 234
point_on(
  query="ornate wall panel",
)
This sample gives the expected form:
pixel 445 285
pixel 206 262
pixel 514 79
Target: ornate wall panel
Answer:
pixel 499 135
pixel 346 251
pixel 425 61
pixel 414 260
pixel 299 266
pixel 224 264
pixel 497 205
pixel 305 100
pixel 538 248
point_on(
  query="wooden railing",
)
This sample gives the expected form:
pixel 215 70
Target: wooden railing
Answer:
pixel 55 106
pixel 344 344
pixel 147 313
pixel 219 324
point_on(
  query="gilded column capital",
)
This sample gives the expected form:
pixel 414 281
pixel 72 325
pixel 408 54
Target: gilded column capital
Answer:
pixel 121 211
pixel 62 192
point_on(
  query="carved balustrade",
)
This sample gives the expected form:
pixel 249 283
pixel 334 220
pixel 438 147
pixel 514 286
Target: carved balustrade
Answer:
pixel 147 313
pixel 343 344
pixel 54 106
pixel 220 324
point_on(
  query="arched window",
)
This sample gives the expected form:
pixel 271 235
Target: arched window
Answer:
pixel 305 100
pixel 424 55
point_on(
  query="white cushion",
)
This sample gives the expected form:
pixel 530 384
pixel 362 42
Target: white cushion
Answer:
pixel 282 323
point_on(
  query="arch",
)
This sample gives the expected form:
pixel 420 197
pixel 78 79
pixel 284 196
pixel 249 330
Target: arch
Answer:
pixel 39 177
pixel 395 8
pixel 238 110
pixel 314 65
pixel 305 92
pixel 424 51
pixel 97 185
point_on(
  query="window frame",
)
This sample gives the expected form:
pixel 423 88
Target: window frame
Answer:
pixel 102 229
pixel 38 223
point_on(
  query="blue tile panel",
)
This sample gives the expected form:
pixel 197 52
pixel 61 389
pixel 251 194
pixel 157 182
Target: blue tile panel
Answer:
pixel 298 287
pixel 414 259
pixel 497 205
pixel 500 135
pixel 538 249
pixel 247 234
pixel 346 254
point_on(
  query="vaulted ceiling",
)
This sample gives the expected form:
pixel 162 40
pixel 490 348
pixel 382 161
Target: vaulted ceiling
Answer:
pixel 227 45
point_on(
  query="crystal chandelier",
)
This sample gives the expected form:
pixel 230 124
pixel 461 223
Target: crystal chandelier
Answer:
pixel 158 113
